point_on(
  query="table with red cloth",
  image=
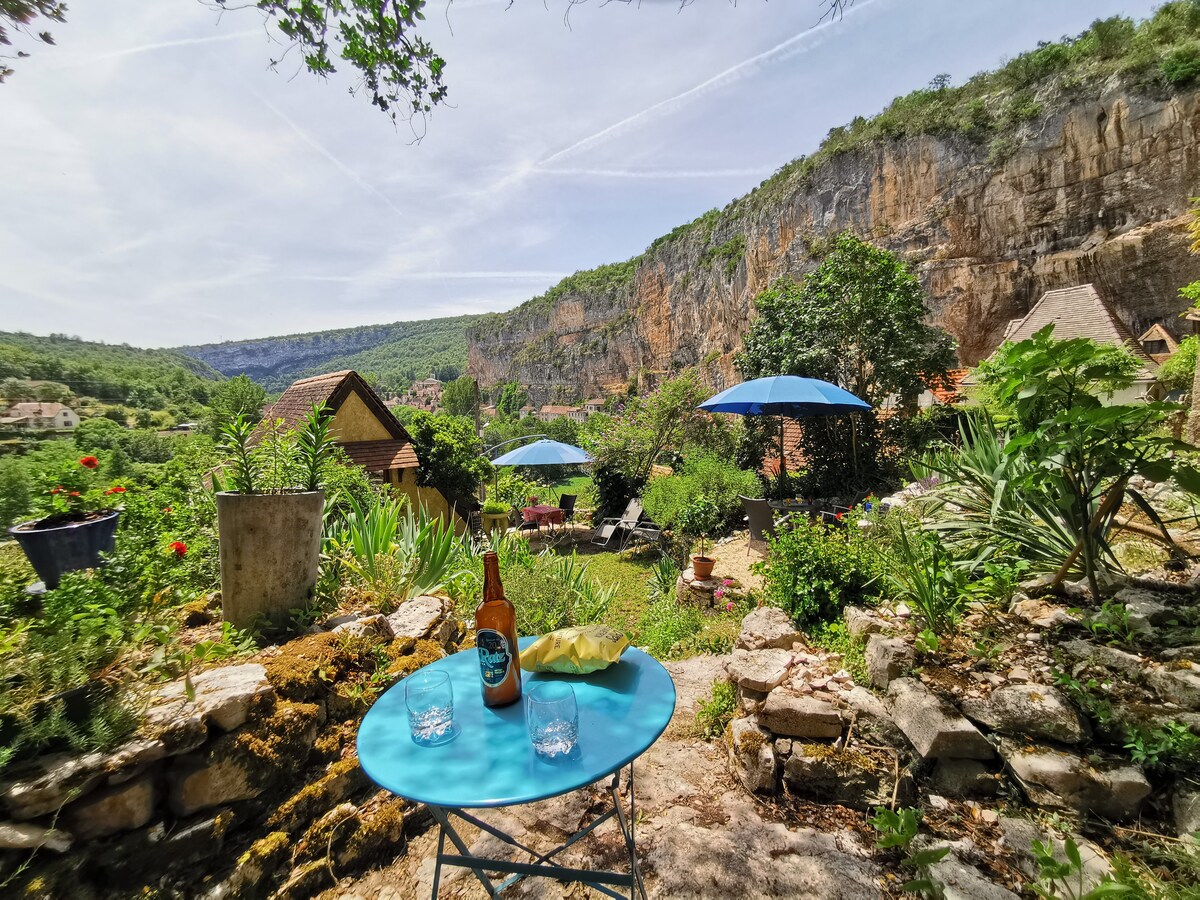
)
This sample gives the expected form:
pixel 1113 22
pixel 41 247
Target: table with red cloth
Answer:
pixel 542 514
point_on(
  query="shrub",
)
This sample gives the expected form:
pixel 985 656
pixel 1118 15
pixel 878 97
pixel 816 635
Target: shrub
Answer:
pixel 1181 66
pixel 511 489
pixel 923 574
pixel 812 572
pixel 702 474
pixel 552 592
pixel 666 627
pixel 714 714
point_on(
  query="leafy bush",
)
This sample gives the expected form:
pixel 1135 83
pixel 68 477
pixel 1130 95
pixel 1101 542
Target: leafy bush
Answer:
pixel 701 474
pixel 552 592
pixel 511 489
pixel 1182 66
pixel 714 714
pixel 667 626
pixel 812 572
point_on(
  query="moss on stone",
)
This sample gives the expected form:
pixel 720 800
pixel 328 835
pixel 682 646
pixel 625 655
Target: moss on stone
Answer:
pixel 751 742
pixel 842 760
pixel 384 827
pixel 195 613
pixel 266 853
pixel 342 780
pixel 421 654
pixel 305 666
pixel 279 743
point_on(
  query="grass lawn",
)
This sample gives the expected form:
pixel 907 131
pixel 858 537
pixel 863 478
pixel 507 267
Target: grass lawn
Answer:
pixel 579 485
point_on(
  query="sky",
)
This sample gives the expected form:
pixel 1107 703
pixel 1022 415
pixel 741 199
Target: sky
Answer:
pixel 162 186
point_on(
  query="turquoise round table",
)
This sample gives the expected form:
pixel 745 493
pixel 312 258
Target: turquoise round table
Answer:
pixel 491 762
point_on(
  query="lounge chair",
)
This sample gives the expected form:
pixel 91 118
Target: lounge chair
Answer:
pixel 627 521
pixel 761 522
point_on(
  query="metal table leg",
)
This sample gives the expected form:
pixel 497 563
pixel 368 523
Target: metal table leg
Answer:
pixel 542 865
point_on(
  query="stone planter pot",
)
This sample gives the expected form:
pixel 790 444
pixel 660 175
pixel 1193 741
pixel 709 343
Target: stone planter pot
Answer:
pixel 494 523
pixel 270 551
pixel 702 567
pixel 55 551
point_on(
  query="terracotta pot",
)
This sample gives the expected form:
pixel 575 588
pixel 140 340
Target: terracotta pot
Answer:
pixel 702 567
pixel 55 551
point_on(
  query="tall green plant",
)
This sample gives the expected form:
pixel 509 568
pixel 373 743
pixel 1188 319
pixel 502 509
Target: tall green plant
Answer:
pixel 923 574
pixel 235 443
pixel 313 446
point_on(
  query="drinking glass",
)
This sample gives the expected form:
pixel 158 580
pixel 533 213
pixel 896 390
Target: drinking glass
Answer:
pixel 553 718
pixel 430 701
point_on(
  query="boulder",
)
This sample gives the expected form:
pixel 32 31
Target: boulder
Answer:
pixel 768 627
pixel 1147 609
pixel 27 836
pixel 1178 682
pixel 759 670
pixel 963 778
pixel 1041 613
pixel 933 726
pixel 752 755
pixel 1186 807
pixel 959 880
pixel 376 627
pixel 1029 709
pixel 223 696
pixel 872 723
pixel 888 658
pixel 422 618
pixel 1019 835
pixel 1060 779
pixel 1128 664
pixel 860 622
pixel 798 716
pixel 131 759
pixel 50 782
pixel 122 808
pixel 830 774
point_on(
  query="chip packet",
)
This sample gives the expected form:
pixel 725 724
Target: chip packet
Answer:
pixel 575 651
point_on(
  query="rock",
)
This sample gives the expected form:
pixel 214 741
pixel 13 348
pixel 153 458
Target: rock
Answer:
pixel 1186 807
pixel 903 611
pixel 27 836
pixel 131 759
pixel 933 726
pixel 1178 682
pixel 834 775
pixel 195 783
pixel 768 627
pixel 797 716
pixel 1056 778
pixel 176 723
pixel 691 590
pixel 751 755
pixel 871 721
pixel 224 696
pixel 749 699
pixel 963 778
pixel 759 670
pixel 113 810
pixel 1019 676
pixel 960 880
pixel 1128 664
pixel 376 627
pixel 1039 586
pixel 52 782
pixel 860 622
pixel 1145 609
pixel 1040 613
pixel 1019 835
pixel 1029 709
pixel 422 618
pixel 888 658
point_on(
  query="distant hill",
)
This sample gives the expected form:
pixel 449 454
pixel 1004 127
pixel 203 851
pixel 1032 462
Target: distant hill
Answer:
pixel 392 356
pixel 116 373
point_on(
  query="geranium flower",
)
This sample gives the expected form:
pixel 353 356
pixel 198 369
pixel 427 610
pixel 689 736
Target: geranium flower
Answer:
pixel 58 490
pixel 179 548
pixel 728 582
pixel 719 593
pixel 838 517
pixel 73 494
pixel 115 489
pixel 729 606
pixel 168 509
pixel 89 462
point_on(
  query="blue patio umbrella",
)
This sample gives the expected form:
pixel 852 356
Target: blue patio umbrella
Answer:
pixel 544 453
pixel 785 395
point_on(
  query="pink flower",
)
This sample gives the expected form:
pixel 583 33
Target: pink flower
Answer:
pixel 728 582
pixel 729 607
pixel 719 593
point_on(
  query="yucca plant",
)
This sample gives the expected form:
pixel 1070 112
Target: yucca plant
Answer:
pixel 428 549
pixel 663 576
pixel 923 574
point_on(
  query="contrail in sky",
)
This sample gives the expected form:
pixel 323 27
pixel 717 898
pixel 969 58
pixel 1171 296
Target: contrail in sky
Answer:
pixel 659 173
pixel 161 45
pixel 797 42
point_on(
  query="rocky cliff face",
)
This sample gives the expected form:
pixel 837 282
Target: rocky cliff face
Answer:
pixel 1097 192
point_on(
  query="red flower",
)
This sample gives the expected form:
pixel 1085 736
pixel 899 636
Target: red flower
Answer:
pixel 116 489
pixel 58 490
pixel 179 548
pixel 167 509
pixel 839 517
pixel 89 462
pixel 73 494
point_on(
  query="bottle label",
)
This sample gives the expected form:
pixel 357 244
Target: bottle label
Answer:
pixel 495 656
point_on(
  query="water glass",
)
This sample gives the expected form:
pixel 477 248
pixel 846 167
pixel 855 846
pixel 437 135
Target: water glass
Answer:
pixel 430 701
pixel 553 718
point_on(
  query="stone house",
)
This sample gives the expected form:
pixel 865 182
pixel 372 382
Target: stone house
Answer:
pixel 365 429
pixel 40 417
pixel 549 412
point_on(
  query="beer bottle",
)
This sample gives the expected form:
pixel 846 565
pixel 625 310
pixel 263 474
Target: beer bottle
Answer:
pixel 496 639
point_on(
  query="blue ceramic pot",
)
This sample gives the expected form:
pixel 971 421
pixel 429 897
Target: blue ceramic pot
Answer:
pixel 55 551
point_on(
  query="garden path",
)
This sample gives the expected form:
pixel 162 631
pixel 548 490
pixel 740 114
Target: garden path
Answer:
pixel 699 834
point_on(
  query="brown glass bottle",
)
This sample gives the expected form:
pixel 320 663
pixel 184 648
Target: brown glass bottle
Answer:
pixel 496 639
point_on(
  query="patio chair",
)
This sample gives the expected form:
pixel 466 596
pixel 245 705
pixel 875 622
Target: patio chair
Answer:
pixel 566 503
pixel 760 521
pixel 645 530
pixel 529 522
pixel 627 521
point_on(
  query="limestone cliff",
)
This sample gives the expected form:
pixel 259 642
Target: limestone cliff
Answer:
pixel 1096 192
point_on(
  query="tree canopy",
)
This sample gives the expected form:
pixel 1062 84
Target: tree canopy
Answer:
pixel 458 397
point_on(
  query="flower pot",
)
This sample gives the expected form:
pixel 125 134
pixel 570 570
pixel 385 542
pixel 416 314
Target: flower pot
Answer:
pixel 702 567
pixel 270 548
pixel 495 523
pixel 67 548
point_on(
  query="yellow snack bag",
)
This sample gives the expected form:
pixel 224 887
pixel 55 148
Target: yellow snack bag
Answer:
pixel 575 651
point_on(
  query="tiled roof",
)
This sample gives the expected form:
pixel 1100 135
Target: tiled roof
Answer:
pixel 380 456
pixel 1079 312
pixel 796 460
pixel 551 410
pixel 947 390
pixel 44 410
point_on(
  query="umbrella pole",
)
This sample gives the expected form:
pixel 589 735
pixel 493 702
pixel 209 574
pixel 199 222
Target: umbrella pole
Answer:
pixel 782 463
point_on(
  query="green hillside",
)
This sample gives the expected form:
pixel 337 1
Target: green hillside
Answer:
pixel 392 356
pixel 114 373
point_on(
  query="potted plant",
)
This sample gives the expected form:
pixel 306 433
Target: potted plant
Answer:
pixel 78 523
pixel 495 517
pixel 699 519
pixel 269 519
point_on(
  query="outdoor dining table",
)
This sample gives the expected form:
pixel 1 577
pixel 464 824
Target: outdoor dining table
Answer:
pixel 545 515
pixel 793 507
pixel 491 762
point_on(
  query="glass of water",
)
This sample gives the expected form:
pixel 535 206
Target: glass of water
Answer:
pixel 553 718
pixel 430 701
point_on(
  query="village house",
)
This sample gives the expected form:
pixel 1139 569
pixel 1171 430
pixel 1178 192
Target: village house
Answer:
pixel 36 416
pixel 594 405
pixel 367 431
pixel 550 412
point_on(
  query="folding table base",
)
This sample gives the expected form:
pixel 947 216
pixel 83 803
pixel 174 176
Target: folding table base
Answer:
pixel 603 881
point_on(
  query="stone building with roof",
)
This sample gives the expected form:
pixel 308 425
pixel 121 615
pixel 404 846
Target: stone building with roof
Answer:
pixel 39 417
pixel 365 429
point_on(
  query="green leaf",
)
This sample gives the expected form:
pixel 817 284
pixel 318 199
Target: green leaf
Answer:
pixel 926 857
